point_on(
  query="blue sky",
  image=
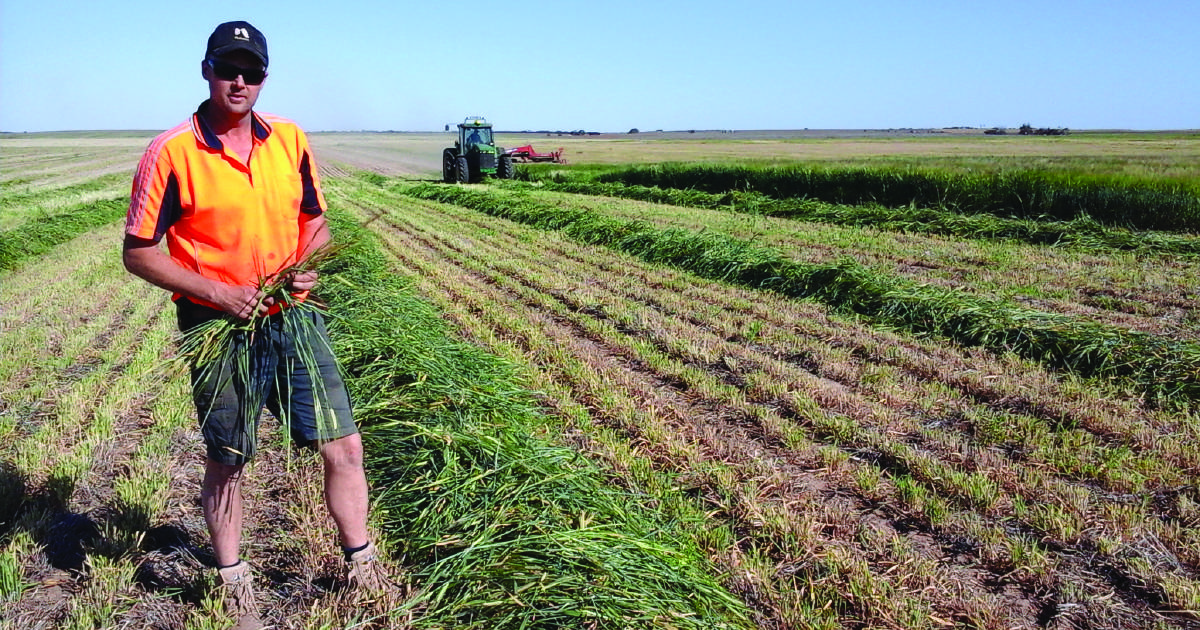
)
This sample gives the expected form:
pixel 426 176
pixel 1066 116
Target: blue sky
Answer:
pixel 617 64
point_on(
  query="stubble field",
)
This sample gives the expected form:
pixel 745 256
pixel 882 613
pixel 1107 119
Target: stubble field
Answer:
pixel 804 460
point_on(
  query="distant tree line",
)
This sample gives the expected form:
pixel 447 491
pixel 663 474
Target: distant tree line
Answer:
pixel 576 132
pixel 1028 130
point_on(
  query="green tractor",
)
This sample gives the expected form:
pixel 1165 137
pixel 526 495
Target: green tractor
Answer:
pixel 475 154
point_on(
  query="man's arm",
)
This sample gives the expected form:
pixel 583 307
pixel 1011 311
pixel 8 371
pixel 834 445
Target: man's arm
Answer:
pixel 145 260
pixel 314 234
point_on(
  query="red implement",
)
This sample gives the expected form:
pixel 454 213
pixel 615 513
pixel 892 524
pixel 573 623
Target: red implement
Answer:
pixel 528 154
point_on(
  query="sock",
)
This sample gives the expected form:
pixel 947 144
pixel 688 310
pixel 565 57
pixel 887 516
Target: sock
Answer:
pixel 235 563
pixel 350 552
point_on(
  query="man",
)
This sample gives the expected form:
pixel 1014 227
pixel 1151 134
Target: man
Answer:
pixel 237 196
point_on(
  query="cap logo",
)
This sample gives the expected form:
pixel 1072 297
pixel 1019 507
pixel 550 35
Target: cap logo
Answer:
pixel 241 33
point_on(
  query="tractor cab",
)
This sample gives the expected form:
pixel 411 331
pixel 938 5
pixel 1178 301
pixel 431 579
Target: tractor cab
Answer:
pixel 475 131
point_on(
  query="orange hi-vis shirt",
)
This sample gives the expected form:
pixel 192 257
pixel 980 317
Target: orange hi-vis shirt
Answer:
pixel 227 220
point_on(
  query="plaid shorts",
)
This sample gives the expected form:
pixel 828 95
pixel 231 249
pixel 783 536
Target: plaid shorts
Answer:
pixel 285 364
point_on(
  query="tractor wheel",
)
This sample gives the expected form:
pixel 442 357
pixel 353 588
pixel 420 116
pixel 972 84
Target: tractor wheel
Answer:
pixel 448 165
pixel 462 170
pixel 505 168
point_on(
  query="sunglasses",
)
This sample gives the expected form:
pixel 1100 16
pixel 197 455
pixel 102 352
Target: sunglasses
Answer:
pixel 229 72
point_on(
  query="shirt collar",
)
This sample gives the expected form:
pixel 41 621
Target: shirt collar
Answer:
pixel 205 134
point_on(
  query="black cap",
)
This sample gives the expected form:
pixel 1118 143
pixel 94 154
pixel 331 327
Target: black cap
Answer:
pixel 239 35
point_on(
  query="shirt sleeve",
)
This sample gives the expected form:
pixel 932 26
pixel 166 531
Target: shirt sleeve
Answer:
pixel 154 203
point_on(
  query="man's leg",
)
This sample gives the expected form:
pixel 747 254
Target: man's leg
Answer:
pixel 346 488
pixel 221 500
pixel 346 496
pixel 316 405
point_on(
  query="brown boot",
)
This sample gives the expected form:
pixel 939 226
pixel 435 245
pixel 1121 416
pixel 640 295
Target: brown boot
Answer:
pixel 238 594
pixel 367 577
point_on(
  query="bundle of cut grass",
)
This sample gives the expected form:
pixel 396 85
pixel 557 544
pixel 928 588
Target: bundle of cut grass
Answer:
pixel 498 528
pixel 225 350
pixel 1167 370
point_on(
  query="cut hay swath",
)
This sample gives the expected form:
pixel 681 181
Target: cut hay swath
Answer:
pixel 496 527
pixel 37 235
pixel 1111 200
pixel 1167 370
pixel 1082 232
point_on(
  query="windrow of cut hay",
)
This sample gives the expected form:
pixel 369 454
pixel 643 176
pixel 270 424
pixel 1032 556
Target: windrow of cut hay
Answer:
pixel 1112 200
pixel 22 202
pixel 1083 232
pixel 1168 371
pixel 796 426
pixel 37 235
pixel 499 529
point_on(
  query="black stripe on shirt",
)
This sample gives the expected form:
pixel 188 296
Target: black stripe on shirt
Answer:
pixel 309 203
pixel 171 210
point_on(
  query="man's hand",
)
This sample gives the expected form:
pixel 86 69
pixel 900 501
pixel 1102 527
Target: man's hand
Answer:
pixel 144 259
pixel 242 302
pixel 303 281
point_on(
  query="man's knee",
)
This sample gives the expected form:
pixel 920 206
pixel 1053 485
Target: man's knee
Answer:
pixel 343 452
pixel 219 474
pixel 220 480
